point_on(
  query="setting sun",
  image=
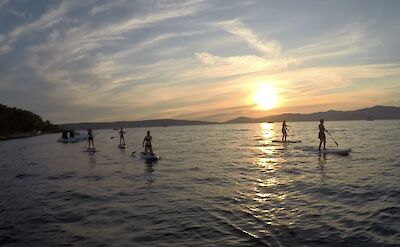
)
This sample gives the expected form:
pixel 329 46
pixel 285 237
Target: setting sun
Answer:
pixel 266 97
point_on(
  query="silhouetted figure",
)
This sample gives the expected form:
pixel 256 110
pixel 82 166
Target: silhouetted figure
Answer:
pixel 90 137
pixel 121 136
pixel 285 129
pixel 321 135
pixel 147 143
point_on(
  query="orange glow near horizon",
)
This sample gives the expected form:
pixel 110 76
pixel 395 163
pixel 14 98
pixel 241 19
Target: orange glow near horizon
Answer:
pixel 266 97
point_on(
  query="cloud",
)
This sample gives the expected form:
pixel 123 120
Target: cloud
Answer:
pixel 4 49
pixel 187 59
pixel 236 27
pixel 142 21
pixel 78 42
pixel 46 21
pixel 217 66
pixel 17 13
pixel 105 7
pixel 3 3
pixel 345 41
pixel 340 100
pixel 287 66
pixel 316 79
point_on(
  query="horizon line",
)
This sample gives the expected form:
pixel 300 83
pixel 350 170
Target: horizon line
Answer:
pixel 217 122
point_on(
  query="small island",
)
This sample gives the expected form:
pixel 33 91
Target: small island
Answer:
pixel 19 123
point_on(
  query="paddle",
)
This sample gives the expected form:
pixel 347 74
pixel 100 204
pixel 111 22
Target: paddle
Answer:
pixel 133 153
pixel 332 138
pixel 87 145
pixel 112 137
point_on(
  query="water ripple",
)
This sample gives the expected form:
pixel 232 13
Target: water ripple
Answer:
pixel 222 185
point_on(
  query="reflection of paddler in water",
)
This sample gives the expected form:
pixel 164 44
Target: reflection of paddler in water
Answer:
pixel 321 163
pixel 90 137
pixel 147 143
pixel 285 129
pixel 149 173
pixel 321 134
pixel 92 161
pixel 322 159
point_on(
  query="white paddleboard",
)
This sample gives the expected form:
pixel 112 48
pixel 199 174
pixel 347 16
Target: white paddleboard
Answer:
pixel 149 156
pixel 122 146
pixel 280 141
pixel 339 151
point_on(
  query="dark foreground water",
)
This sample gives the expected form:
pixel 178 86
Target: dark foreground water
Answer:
pixel 225 185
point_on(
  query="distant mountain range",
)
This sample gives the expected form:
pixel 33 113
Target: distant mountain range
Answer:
pixel 372 113
pixel 133 124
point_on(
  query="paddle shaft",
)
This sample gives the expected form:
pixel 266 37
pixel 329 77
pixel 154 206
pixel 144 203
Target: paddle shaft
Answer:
pixel 133 153
pixel 332 138
pixel 112 137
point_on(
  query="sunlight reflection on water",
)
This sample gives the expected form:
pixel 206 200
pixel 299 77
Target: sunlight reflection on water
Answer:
pixel 222 185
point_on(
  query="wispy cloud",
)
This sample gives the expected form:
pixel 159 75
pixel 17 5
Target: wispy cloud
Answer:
pixel 236 27
pixel 345 41
pixel 3 3
pixel 115 30
pixel 17 13
pixel 97 9
pixel 46 21
pixel 185 59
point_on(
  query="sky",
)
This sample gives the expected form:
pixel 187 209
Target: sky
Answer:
pixel 85 61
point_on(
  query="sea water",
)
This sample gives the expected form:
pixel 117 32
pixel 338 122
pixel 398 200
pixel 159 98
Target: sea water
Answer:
pixel 215 185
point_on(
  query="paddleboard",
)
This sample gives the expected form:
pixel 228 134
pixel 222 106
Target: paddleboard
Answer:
pixel 148 156
pixel 280 141
pixel 91 150
pixel 339 151
pixel 122 146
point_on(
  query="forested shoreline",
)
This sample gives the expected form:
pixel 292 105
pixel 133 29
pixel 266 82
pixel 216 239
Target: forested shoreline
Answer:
pixel 19 123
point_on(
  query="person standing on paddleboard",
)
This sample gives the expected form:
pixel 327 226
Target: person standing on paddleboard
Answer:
pixel 90 137
pixel 285 129
pixel 121 136
pixel 147 143
pixel 321 134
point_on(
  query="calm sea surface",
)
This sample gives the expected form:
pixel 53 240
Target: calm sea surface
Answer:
pixel 219 185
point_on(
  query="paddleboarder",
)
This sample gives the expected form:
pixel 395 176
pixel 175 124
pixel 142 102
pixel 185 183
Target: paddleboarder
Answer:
pixel 321 134
pixel 121 136
pixel 285 129
pixel 147 143
pixel 90 137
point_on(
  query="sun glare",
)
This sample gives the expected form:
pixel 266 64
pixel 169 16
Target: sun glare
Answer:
pixel 266 97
